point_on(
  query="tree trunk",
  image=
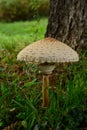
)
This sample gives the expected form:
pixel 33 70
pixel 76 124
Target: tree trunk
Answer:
pixel 68 22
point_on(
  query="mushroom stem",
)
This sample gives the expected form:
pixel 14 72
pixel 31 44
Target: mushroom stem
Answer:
pixel 45 92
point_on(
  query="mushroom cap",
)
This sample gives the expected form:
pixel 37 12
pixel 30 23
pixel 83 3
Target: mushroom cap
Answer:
pixel 48 50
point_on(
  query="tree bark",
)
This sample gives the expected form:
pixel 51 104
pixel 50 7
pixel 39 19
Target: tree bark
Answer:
pixel 68 22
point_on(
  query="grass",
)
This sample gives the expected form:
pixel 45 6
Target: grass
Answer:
pixel 20 93
pixel 13 34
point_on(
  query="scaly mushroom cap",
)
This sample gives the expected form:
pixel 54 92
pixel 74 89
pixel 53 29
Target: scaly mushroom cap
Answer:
pixel 48 50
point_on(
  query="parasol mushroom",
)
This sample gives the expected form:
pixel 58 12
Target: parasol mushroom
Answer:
pixel 46 53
